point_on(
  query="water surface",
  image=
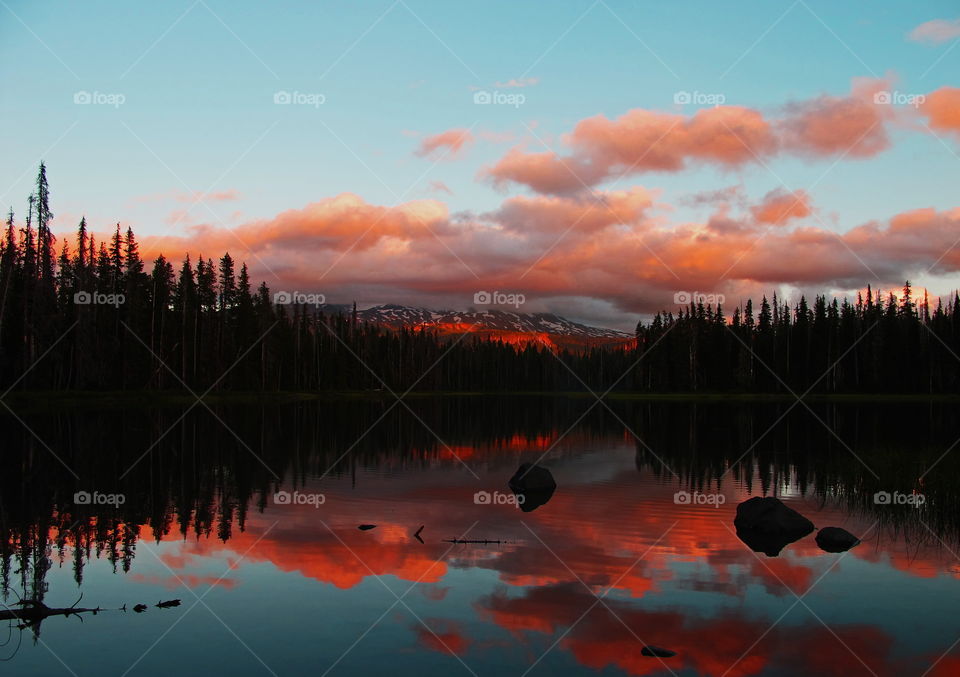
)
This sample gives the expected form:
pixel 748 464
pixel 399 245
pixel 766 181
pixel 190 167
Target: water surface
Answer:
pixel 616 559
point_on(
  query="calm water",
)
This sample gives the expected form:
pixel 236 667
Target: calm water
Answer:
pixel 612 561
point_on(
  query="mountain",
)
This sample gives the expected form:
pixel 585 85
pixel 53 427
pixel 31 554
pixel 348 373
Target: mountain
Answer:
pixel 545 329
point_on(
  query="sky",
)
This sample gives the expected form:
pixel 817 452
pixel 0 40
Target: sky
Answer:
pixel 603 159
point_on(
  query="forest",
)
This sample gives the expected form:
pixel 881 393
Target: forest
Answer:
pixel 83 315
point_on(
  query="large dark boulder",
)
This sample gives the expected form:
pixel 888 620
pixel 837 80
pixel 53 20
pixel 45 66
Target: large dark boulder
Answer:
pixel 533 485
pixel 835 539
pixel 767 525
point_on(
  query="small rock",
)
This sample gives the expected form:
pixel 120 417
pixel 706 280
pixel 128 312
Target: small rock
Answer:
pixel 367 527
pixel 657 651
pixel 835 539
pixel 140 608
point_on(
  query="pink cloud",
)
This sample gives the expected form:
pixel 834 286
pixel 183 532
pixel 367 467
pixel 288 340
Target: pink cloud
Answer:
pixel 936 31
pixel 725 136
pixel 779 206
pixel 440 187
pixel 830 125
pixel 452 140
pixel 615 249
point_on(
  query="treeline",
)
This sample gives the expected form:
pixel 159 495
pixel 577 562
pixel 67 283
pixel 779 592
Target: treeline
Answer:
pixel 872 345
pixel 87 315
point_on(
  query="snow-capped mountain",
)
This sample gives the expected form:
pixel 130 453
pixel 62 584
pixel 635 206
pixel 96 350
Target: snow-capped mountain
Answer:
pixel 513 327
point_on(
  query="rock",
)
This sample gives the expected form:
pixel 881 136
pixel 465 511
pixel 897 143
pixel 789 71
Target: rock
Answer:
pixel 767 525
pixel 657 651
pixel 169 603
pixel 835 539
pixel 531 477
pixel 140 608
pixel 367 527
pixel 533 485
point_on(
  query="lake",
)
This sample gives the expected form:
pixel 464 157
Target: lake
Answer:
pixel 249 515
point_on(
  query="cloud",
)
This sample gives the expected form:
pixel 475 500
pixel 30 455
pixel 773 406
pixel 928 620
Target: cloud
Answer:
pixel 191 196
pixel 440 187
pixel 452 140
pixel 517 83
pixel 619 252
pixel 942 108
pixel 779 206
pixel 936 31
pixel 830 125
pixel 729 137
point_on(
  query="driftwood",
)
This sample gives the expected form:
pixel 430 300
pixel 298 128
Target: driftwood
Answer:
pixel 32 612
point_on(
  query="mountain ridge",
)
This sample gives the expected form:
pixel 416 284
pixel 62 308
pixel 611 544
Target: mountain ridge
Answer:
pixel 547 329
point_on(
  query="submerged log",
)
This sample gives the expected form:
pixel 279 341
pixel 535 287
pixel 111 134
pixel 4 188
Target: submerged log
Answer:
pixel 32 611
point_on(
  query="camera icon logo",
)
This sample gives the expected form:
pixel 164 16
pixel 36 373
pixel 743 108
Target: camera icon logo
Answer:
pixel 82 97
pixel 882 498
pixel 282 498
pixel 82 498
pixel 482 97
pixel 281 297
pixel 681 298
pixel 82 298
pixel 482 298
pixel 682 498
pixel 681 98
pixel 882 98
pixel 482 498
pixel 282 97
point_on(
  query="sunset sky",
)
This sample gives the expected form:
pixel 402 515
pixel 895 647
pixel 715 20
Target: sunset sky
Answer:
pixel 628 150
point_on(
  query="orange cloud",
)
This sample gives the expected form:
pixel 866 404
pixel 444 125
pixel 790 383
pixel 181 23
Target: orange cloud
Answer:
pixel 618 248
pixel 726 136
pixel 779 206
pixel 942 107
pixel 453 140
pixel 830 125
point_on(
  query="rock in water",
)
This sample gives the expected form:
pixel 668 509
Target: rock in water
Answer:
pixel 531 477
pixel 767 525
pixel 657 651
pixel 367 527
pixel 533 485
pixel 835 539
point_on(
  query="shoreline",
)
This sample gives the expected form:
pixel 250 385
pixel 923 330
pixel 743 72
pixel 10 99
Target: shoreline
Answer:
pixel 168 398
